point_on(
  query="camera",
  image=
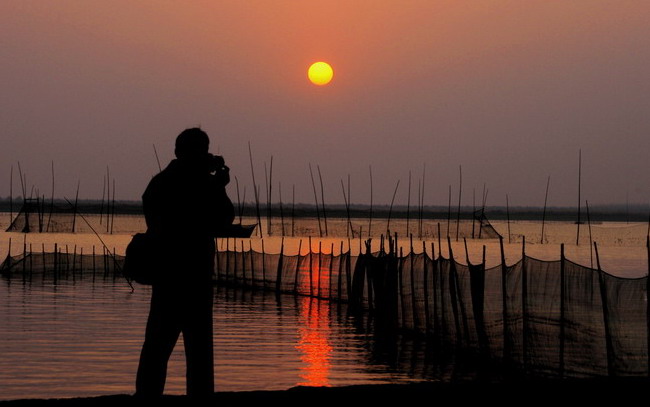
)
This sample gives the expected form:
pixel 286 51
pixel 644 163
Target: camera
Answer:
pixel 216 163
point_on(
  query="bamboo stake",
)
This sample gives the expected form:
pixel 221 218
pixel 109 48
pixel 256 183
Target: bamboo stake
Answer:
pixel 313 185
pixel 424 171
pixel 579 181
pixel 591 257
pixel 370 220
pixel 408 206
pixel 562 309
pixel 281 209
pixel 74 214
pixel 504 302
pixel 548 181
pixel 449 213
pixel 11 194
pixel 322 198
pixel 390 210
pixel 297 273
pixel 508 217
pixel 460 191
pixel 524 304
pixel 101 208
pixel 255 190
pixel 157 159
pixel 647 311
pixel 113 209
pixel 605 305
pixel 348 226
pixel 293 207
pixel 108 199
pixel 239 206
pixel 473 210
pixel 49 218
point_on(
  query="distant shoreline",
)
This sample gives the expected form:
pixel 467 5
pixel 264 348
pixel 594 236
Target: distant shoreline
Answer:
pixel 601 213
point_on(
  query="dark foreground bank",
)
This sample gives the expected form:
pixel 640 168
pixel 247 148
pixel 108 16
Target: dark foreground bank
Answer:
pixel 513 393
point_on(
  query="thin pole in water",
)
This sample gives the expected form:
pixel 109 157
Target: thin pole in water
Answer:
pixel 255 191
pixel 322 198
pixel 579 181
pixel 390 210
pixel 370 219
pixel 76 200
pixel 313 185
pixel 548 181
pixel 460 191
pixel 49 218
pixel 449 212
pixel 408 206
pixel 11 194
pixel 348 226
pixel 508 217
pixel 281 209
pixel 239 208
pixel 591 256
pixel 293 207
pixel 157 159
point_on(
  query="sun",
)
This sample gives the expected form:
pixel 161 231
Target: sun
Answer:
pixel 320 73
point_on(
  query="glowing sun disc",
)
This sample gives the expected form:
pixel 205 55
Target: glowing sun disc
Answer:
pixel 320 73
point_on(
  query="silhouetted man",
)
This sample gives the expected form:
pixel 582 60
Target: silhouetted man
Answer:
pixel 186 206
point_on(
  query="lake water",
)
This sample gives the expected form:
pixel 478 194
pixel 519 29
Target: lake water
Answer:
pixel 82 336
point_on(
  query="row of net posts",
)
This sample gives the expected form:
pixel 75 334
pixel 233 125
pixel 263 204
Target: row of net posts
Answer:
pixel 61 262
pixel 543 318
pixel 540 318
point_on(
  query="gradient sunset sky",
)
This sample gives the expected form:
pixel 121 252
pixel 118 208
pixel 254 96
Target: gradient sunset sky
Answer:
pixel 510 90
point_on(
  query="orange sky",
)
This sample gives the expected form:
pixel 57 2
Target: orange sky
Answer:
pixel 510 90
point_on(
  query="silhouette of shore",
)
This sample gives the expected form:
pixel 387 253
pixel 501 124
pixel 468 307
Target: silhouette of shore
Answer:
pixel 513 392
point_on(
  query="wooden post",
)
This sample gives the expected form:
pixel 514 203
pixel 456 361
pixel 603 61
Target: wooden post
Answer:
pixel 504 293
pixel 408 207
pixel 427 314
pixel 322 198
pixel 603 299
pixel 243 264
pixel 340 281
pixel 579 180
pixel 647 312
pixel 591 256
pixel 508 217
pixel 460 191
pixel 548 181
pixel 295 283
pixel 318 278
pixel 94 264
pixel 256 191
pixel 453 291
pixel 524 304
pixel 313 185
pixel 250 255
pixel 370 214
pixel 293 208
pixel 278 279
pixel 311 270
pixel 439 241
pixel 562 306
pixel 263 265
pixel 413 299
pixel 228 258
pixel 390 209
pixel 400 284
pixel 329 294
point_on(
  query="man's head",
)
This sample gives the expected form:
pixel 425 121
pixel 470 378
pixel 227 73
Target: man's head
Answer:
pixel 191 143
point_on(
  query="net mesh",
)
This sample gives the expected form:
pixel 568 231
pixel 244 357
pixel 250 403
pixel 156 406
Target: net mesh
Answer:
pixel 544 318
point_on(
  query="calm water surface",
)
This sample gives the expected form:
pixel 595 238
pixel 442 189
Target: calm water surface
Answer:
pixel 82 337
